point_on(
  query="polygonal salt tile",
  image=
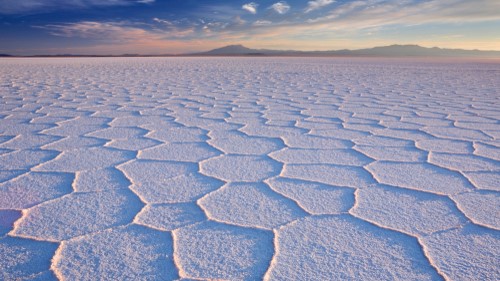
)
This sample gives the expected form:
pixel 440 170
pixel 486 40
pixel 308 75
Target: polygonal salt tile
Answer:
pixel 408 211
pixel 34 188
pixel 183 188
pixel 488 151
pixel 55 220
pixel 143 120
pixel 53 120
pixel 484 180
pixel 369 128
pixel 309 125
pixel 328 113
pixel 408 135
pixel 75 142
pixel 343 134
pixel 215 115
pixel 184 152
pixel 280 123
pixel 236 253
pixel 238 168
pixel 345 248
pixel 456 133
pixel 126 253
pixel 170 216
pixel 203 123
pixel 72 130
pixel 400 125
pixel 368 113
pixel 86 159
pixel 82 121
pixel 238 143
pixel 243 121
pixel 488 215
pixel 444 145
pixel 423 177
pixel 134 144
pixel 388 153
pixel 469 118
pixel 312 142
pixel 320 156
pixel 468 253
pixel 14 128
pixel 33 141
pixel 259 130
pixel 482 126
pixel 251 205
pixel 181 134
pixel 217 126
pixel 157 181
pixel 100 179
pixel 116 133
pixel 466 163
pixel 25 259
pixel 429 122
pixel 329 174
pixel 7 219
pixel 315 198
pixel 432 113
pixel 25 159
pixel 6 175
pixel 381 141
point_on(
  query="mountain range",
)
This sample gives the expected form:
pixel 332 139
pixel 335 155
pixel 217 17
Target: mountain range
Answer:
pixel 386 51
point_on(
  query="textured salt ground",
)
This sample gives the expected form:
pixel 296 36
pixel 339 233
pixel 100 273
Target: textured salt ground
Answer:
pixel 249 169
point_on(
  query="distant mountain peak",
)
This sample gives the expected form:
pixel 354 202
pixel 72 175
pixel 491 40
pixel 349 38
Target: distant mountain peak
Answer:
pixel 395 50
pixel 230 49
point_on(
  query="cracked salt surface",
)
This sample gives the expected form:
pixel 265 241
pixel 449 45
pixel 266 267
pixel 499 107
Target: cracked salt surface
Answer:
pixel 249 169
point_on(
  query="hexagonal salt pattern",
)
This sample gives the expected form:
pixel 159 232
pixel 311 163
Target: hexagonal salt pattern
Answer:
pixel 310 248
pixel 55 220
pixel 239 168
pixel 26 259
pixel 138 253
pixel 412 212
pixel 218 251
pixel 468 253
pixel 246 169
pixel 315 198
pixel 34 188
pixel 250 205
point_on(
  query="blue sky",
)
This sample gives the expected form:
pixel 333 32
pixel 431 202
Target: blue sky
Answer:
pixel 160 27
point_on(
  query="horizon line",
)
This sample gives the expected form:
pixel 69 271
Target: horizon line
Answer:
pixel 296 53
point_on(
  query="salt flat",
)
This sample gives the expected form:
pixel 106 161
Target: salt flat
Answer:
pixel 249 169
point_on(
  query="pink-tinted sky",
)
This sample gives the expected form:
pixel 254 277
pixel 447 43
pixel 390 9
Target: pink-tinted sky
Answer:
pixel 161 27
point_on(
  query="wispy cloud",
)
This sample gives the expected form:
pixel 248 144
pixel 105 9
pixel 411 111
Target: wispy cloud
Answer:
pixel 341 25
pixel 250 7
pixel 106 31
pixel 118 32
pixel 262 23
pixel 365 14
pixel 316 4
pixel 163 21
pixel 34 6
pixel 281 7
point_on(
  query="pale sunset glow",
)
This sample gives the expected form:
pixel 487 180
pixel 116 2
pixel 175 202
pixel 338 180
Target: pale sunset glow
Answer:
pixel 170 27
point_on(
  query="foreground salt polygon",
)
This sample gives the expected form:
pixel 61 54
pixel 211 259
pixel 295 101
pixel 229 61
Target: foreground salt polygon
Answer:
pixel 249 168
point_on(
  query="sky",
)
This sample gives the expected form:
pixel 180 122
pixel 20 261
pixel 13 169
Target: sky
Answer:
pixel 102 27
